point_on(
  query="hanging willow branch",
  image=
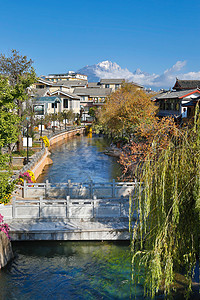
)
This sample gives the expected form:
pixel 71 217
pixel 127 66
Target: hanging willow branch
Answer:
pixel 165 238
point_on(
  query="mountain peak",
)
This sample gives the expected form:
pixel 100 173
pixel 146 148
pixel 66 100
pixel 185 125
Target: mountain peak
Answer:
pixel 108 65
pixel 107 70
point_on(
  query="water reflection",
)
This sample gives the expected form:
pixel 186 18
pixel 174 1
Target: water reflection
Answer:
pixel 69 270
pixel 80 160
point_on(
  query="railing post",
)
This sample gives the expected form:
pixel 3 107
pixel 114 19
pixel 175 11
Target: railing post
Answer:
pixel 94 207
pixel 67 206
pixel 69 186
pixel 40 207
pixel 13 207
pixel 91 189
pixel 46 188
pixel 120 208
pixel 113 188
pixel 25 189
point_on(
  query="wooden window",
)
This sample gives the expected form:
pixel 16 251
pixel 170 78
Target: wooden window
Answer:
pixel 65 103
pixel 54 105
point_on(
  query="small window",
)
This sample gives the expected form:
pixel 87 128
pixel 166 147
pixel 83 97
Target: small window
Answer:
pixel 116 86
pixel 65 103
pixel 38 110
pixel 54 105
pixel 107 86
pixel 40 86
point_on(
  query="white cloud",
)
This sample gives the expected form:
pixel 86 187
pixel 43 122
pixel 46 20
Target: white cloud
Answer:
pixel 107 69
pixel 190 75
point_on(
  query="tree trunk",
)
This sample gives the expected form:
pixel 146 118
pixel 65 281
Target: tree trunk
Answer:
pixel 19 142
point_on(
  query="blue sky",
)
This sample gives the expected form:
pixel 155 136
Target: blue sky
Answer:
pixel 67 35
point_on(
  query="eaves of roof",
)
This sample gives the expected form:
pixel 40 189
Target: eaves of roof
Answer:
pixel 73 96
pixel 175 94
pixel 48 99
pixel 93 92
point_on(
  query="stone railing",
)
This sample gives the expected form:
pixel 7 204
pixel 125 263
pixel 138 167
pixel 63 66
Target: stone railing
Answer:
pixel 58 132
pixel 78 190
pixel 65 208
pixel 33 161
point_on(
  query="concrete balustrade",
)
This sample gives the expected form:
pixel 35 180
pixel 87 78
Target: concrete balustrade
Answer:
pixel 65 208
pixel 82 190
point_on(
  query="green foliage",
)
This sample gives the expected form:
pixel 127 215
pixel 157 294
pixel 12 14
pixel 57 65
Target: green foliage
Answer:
pixel 70 115
pixel 16 75
pixel 21 75
pixel 165 213
pixel 93 111
pixel 16 67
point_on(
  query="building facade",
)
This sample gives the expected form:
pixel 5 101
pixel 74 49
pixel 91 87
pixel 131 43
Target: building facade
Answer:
pixel 180 101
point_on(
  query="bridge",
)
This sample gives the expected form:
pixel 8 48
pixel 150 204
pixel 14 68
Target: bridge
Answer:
pixel 70 211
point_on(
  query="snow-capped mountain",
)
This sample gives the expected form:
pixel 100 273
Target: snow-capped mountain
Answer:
pixel 105 69
pixel 108 69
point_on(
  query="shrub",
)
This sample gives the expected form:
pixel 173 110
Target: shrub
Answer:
pixel 45 140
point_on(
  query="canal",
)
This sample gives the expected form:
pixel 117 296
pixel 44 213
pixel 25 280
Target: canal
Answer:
pixel 81 159
pixel 73 270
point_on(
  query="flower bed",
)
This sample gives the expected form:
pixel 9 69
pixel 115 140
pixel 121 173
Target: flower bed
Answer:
pixel 28 176
pixel 4 227
pixel 45 140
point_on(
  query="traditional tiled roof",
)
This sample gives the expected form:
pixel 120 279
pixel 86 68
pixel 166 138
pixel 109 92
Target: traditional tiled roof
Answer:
pixel 117 81
pixel 93 85
pixel 39 92
pixel 66 83
pixel 67 94
pixel 186 84
pixel 93 92
pixel 70 83
pixel 175 94
pixel 112 81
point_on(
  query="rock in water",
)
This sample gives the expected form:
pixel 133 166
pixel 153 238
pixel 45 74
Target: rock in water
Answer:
pixel 6 253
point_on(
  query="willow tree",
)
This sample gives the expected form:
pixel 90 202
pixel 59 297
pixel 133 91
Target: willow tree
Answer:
pixel 165 212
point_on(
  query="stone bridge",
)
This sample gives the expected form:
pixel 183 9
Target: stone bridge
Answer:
pixel 70 211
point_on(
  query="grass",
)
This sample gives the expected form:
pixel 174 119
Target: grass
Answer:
pixel 23 153
pixel 16 168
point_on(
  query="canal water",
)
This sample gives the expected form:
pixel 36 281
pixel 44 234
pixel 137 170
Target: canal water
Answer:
pixel 69 270
pixel 81 159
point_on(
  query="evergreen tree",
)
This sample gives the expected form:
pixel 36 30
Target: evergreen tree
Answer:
pixel 9 128
pixel 18 69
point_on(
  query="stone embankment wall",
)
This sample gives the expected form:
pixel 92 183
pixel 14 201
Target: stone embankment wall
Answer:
pixel 6 253
pixel 65 135
pixel 45 160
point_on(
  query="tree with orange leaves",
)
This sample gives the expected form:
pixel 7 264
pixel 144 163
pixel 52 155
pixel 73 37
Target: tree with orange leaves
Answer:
pixel 148 139
pixel 125 110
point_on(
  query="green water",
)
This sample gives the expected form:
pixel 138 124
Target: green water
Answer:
pixel 69 270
